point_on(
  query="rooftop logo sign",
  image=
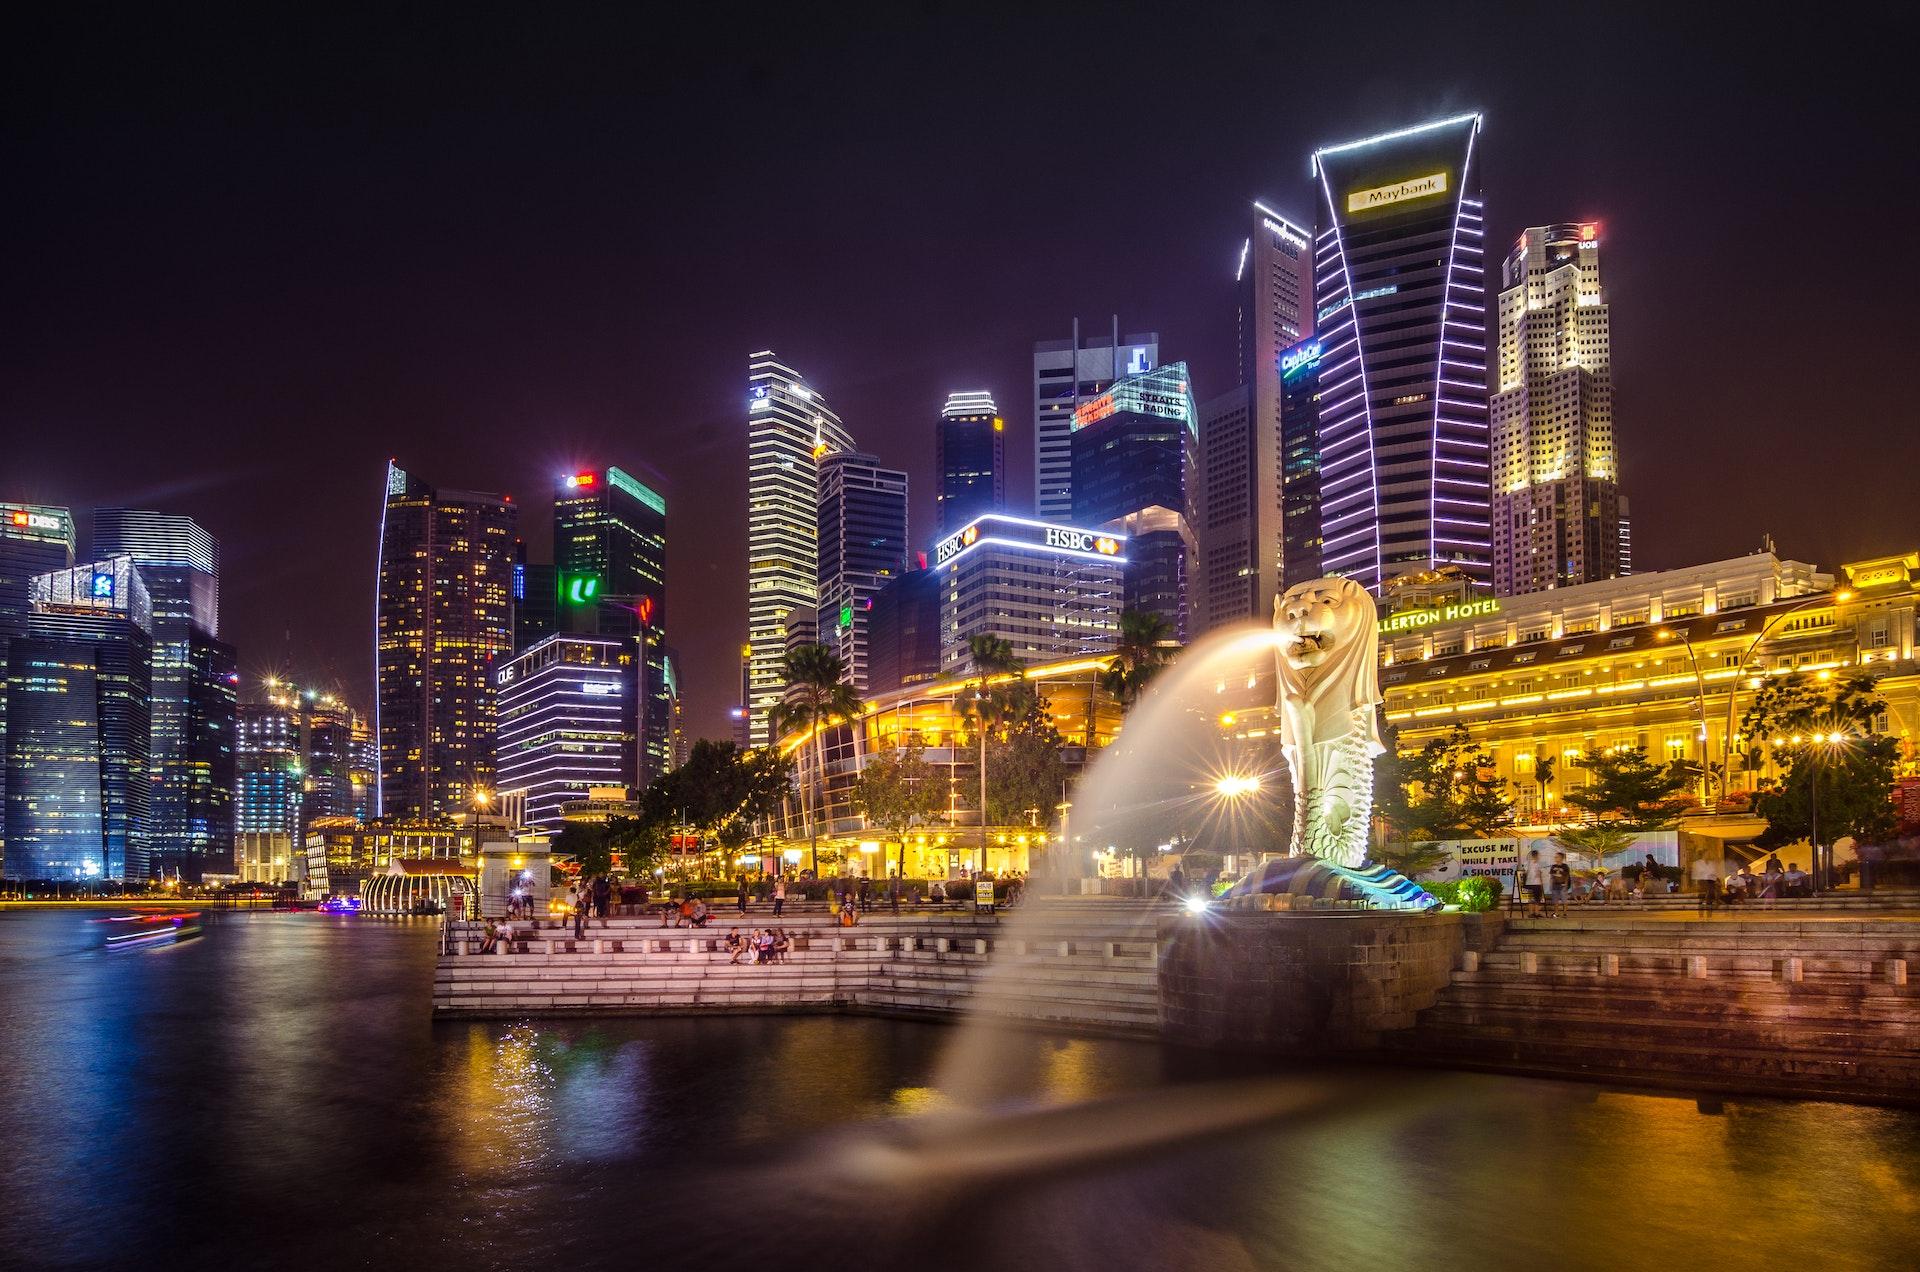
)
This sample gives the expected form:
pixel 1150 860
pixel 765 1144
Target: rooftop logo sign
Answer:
pixel 1398 192
pixel 1412 620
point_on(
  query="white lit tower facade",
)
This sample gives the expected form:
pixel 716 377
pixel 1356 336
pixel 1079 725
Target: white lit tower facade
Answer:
pixel 789 430
pixel 1400 315
pixel 1235 457
pixel 1558 514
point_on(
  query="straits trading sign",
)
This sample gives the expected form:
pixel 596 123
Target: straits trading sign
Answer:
pixel 1412 620
pixel 1021 533
pixel 1399 192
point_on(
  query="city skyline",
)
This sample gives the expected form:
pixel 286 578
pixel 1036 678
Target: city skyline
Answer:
pixel 296 524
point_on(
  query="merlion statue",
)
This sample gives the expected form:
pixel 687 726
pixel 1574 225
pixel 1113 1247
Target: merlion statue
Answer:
pixel 1329 682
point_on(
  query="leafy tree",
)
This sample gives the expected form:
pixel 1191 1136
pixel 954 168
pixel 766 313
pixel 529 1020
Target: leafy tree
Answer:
pixel 587 843
pixel 1627 788
pixel 817 696
pixel 640 842
pixel 1446 790
pixel 1820 732
pixel 898 790
pixel 1411 859
pixel 1598 840
pixel 1143 648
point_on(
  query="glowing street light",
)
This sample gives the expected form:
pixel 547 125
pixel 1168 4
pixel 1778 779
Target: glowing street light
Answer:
pixel 1235 785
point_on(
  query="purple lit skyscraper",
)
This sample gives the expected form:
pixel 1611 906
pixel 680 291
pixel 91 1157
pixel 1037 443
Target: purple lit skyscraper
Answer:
pixel 1401 316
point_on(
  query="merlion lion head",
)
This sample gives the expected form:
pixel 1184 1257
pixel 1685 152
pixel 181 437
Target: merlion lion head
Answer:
pixel 1323 621
pixel 1328 655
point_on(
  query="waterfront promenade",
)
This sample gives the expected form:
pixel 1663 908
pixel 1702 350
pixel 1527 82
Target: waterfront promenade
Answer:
pixel 1807 999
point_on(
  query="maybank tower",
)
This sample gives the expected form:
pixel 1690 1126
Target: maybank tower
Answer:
pixel 1400 310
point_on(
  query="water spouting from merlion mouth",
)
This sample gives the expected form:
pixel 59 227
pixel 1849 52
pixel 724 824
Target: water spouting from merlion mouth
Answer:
pixel 1172 780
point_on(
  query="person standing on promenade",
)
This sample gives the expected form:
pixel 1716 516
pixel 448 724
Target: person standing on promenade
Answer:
pixel 1706 881
pixel 1536 882
pixel 742 890
pixel 866 893
pixel 602 898
pixel 1559 882
pixel 779 895
pixel 583 901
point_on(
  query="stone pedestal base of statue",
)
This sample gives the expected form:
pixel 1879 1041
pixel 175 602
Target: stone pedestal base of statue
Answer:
pixel 1307 982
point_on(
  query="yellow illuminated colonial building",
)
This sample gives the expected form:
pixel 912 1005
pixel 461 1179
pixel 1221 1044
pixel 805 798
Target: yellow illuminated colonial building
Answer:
pixel 933 717
pixel 1659 661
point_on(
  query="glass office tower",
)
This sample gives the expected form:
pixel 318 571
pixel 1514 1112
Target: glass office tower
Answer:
pixel 862 536
pixel 610 536
pixel 444 613
pixel 194 692
pixel 1129 449
pixel 79 727
pixel 34 539
pixel 970 452
pixel 1400 294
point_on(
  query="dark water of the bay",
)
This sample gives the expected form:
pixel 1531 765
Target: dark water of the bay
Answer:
pixel 275 1095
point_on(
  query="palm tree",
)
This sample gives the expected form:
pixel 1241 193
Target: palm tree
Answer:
pixel 817 695
pixel 1141 651
pixel 1543 778
pixel 992 656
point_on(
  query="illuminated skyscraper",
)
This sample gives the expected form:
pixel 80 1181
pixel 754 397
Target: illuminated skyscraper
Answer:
pixel 610 529
pixel 1050 591
pixel 194 691
pixel 1129 446
pixel 863 547
pixel 1400 296
pixel 1235 507
pixel 271 781
pixel 34 539
pixel 569 720
pixel 1065 374
pixel 78 728
pixel 1300 462
pixel 444 614
pixel 1558 514
pixel 789 429
pixel 970 450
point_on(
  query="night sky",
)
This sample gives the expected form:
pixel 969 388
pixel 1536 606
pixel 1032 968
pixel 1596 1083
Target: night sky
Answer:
pixel 250 258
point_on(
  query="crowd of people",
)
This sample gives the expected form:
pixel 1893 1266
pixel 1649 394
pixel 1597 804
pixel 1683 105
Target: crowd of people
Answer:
pixel 1545 888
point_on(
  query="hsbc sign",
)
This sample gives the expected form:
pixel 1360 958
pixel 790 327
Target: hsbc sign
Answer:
pixel 1081 541
pixel 1018 532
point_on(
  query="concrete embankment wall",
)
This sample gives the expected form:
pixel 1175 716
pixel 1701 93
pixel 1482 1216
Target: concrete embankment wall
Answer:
pixel 1089 968
pixel 1303 984
pixel 1826 1004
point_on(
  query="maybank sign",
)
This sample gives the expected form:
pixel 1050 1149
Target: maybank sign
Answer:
pixel 1018 532
pixel 1398 192
pixel 1414 619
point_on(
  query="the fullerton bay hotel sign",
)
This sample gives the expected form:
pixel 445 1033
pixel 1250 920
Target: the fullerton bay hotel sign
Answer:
pixel 1412 620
